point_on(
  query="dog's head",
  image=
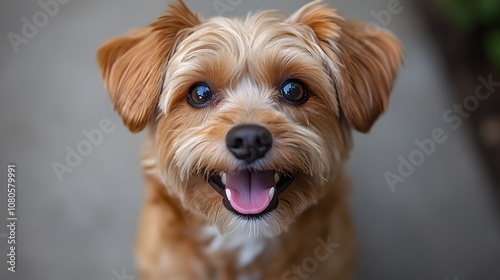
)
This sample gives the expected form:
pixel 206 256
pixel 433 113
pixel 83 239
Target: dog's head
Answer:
pixel 250 118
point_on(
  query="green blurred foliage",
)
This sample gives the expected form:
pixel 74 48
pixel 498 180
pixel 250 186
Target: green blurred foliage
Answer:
pixel 468 15
pixel 492 46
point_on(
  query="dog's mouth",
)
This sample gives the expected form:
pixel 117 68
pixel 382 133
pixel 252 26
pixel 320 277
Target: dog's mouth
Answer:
pixel 248 192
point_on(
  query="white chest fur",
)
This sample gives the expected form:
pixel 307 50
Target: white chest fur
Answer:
pixel 248 248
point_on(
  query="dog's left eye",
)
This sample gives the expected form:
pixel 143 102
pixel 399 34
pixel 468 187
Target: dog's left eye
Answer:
pixel 294 92
pixel 200 95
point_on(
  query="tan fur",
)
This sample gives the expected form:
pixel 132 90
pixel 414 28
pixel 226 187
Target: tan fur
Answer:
pixel 133 66
pixel 349 74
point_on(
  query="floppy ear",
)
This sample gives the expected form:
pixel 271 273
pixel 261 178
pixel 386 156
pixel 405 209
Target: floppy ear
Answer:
pixel 133 66
pixel 368 60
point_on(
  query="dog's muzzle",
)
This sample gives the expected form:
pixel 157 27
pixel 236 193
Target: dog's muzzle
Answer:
pixel 249 192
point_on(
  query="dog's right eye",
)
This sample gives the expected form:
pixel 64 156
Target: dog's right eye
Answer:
pixel 200 95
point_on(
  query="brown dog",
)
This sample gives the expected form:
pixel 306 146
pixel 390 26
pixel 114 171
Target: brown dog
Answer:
pixel 249 128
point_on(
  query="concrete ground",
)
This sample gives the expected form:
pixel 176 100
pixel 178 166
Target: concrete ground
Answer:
pixel 440 223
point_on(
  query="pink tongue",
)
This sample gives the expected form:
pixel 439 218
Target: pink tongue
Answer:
pixel 250 190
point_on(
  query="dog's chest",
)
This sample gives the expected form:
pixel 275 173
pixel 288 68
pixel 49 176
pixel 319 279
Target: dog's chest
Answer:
pixel 246 250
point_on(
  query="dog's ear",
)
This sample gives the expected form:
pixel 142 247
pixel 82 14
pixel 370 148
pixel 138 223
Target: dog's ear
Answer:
pixel 368 60
pixel 133 65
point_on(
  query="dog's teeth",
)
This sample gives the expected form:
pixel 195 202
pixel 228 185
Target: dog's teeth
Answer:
pixel 271 194
pixel 223 177
pixel 228 194
pixel 276 177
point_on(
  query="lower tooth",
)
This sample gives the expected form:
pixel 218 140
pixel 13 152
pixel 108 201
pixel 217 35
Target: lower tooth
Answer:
pixel 228 194
pixel 223 178
pixel 271 193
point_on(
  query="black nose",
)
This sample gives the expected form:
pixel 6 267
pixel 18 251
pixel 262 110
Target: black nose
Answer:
pixel 249 142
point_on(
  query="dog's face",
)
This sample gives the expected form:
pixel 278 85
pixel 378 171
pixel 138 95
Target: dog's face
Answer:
pixel 250 118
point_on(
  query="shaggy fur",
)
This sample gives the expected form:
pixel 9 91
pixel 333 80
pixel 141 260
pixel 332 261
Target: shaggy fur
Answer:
pixel 186 232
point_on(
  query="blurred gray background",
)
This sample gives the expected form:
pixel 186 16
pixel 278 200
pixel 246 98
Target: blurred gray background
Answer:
pixel 441 223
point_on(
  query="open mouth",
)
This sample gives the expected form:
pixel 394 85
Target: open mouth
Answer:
pixel 248 192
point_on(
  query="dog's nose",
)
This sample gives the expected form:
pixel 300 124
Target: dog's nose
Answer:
pixel 249 142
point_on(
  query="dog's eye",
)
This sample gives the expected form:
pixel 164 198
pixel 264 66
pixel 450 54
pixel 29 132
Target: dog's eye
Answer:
pixel 200 95
pixel 294 92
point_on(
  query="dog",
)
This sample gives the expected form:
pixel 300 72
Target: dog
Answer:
pixel 249 124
